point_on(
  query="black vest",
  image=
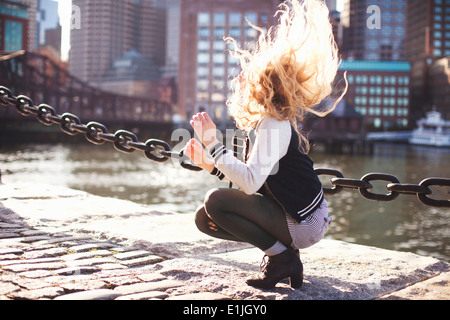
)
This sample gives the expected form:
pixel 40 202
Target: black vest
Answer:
pixel 295 185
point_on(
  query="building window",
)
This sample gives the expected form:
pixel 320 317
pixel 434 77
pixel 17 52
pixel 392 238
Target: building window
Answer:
pixel 235 19
pixel 202 71
pixel 219 45
pixel 264 18
pixel 13 36
pixel 250 32
pixel 252 17
pixel 203 58
pixel 218 71
pixel 350 79
pixel 202 85
pixel 202 96
pixel 203 45
pixel 219 32
pixel 203 19
pixel 377 122
pixel 203 32
pixel 219 19
pixel 219 58
pixel 235 32
pixel 403 81
pixel 218 84
pixel 217 97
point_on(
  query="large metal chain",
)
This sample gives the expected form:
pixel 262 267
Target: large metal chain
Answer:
pixel 160 151
pixel 394 187
pixel 96 133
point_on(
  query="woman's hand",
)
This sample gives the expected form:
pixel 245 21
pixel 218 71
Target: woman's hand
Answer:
pixel 205 129
pixel 194 150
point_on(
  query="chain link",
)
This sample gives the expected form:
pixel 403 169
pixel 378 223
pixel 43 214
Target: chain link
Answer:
pixel 395 188
pixel 160 151
pixel 95 132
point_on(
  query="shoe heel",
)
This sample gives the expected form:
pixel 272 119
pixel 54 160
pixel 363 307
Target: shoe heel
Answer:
pixel 296 281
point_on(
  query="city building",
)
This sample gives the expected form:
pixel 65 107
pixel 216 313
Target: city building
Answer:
pixel 32 9
pixel 53 39
pixel 48 24
pixel 439 84
pixel 338 27
pixel 205 66
pixel 111 28
pixel 133 75
pixel 17 26
pixel 427 40
pixel 379 90
pixel 374 29
pixel 172 39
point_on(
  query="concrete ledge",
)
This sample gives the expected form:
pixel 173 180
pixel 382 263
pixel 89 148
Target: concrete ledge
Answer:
pixel 333 269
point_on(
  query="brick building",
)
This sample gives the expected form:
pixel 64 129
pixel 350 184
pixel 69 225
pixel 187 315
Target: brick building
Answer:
pixel 379 90
pixel 427 40
pixel 439 83
pixel 205 67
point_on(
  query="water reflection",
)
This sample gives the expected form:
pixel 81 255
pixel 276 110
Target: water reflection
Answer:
pixel 403 224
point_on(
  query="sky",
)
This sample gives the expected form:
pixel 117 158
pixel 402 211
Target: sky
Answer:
pixel 65 13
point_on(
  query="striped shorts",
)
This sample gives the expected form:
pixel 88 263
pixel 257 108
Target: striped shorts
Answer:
pixel 311 230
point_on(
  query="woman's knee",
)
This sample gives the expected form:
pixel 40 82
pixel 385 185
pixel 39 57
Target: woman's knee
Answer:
pixel 214 199
pixel 201 219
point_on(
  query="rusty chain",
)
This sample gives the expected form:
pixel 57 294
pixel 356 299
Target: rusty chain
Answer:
pixel 160 151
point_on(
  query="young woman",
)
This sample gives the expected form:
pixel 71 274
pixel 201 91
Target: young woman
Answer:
pixel 279 206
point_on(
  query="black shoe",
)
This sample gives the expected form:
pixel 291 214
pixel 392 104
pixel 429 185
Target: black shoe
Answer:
pixel 284 265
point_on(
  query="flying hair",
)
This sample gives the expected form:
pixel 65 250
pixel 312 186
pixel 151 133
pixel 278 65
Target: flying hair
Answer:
pixel 291 69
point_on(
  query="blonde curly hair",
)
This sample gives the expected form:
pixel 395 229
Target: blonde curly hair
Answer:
pixel 290 71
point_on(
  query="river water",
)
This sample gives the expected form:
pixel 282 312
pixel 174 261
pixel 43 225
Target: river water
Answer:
pixel 404 224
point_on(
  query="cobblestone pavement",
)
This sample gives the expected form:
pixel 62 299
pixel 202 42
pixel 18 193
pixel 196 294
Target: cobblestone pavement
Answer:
pixel 37 265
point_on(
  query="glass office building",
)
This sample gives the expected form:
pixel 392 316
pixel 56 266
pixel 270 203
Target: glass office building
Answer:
pixel 13 26
pixel 375 29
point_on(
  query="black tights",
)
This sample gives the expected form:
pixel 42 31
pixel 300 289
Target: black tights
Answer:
pixel 230 214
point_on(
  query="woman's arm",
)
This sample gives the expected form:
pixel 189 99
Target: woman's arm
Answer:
pixel 271 144
pixel 194 150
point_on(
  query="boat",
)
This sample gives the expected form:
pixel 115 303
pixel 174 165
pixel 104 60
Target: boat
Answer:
pixel 432 130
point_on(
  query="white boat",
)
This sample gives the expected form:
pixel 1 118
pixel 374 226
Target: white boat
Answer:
pixel 432 131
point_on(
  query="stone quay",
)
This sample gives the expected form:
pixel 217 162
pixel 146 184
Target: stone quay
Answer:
pixel 62 244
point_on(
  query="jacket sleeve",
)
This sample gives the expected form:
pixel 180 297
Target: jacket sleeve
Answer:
pixel 271 144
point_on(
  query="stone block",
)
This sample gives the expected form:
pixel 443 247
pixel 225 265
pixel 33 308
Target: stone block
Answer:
pixel 200 296
pixel 148 286
pixel 149 295
pixel 142 261
pixel 132 255
pixel 85 255
pixel 99 294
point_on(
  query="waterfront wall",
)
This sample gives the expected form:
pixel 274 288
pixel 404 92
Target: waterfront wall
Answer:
pixel 174 255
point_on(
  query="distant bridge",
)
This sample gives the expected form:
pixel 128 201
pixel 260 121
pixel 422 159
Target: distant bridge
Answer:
pixel 44 81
